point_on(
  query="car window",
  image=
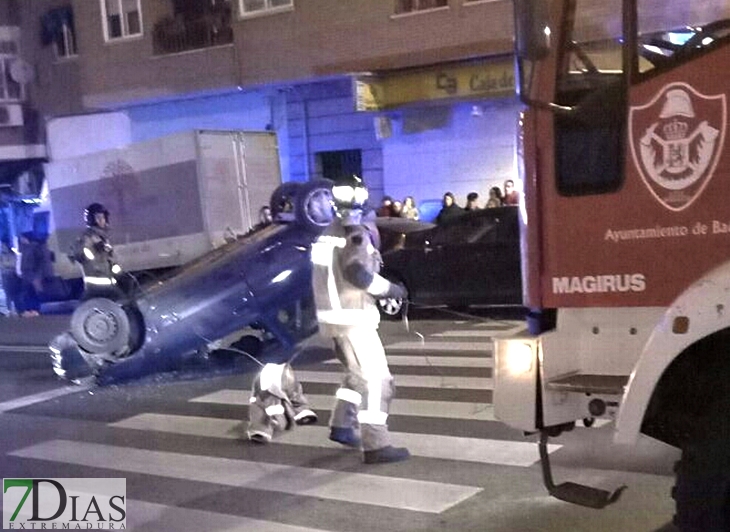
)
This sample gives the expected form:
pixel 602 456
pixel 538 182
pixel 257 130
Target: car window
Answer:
pixel 472 228
pixel 450 234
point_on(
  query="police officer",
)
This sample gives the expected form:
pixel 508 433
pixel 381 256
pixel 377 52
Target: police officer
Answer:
pixel 346 283
pixel 95 254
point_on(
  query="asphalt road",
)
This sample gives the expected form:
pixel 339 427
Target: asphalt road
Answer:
pixel 179 444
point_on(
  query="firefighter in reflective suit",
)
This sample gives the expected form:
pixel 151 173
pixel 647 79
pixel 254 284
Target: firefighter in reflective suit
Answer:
pixel 94 253
pixel 277 403
pixel 346 283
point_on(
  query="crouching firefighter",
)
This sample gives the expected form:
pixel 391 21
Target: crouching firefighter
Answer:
pixel 346 284
pixel 277 403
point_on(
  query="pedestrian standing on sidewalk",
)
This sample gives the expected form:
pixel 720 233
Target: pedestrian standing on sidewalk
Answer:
pixel 31 271
pixel 10 279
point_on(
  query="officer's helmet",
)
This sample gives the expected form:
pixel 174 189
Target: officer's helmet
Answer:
pixel 91 211
pixel 350 196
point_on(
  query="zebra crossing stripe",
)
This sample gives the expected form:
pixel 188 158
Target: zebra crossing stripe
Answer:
pixel 511 329
pixel 435 362
pixel 485 451
pixel 143 516
pixel 399 407
pixel 406 381
pixel 428 345
pixel 41 397
pixel 466 333
pixel 361 488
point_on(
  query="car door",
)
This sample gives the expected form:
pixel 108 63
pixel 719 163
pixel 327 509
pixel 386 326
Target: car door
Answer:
pixel 447 265
pixel 495 277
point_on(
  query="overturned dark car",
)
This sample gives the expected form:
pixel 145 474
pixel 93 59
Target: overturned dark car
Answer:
pixel 254 289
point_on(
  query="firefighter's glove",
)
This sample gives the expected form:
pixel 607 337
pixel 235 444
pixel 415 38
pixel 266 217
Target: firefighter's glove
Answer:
pixel 397 291
pixel 102 247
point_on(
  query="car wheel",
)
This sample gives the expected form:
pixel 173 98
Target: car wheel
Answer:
pixel 101 325
pixel 314 205
pixel 391 308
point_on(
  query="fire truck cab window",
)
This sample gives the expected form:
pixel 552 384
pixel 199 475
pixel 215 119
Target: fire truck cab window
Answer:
pixel 590 81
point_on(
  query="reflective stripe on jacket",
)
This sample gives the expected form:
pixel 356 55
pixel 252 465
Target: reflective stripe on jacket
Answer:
pixel 345 266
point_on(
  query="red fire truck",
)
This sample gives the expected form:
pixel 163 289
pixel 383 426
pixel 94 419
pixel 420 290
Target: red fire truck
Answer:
pixel 625 161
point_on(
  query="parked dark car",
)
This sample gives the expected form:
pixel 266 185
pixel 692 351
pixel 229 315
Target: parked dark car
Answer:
pixel 393 231
pixel 470 260
pixel 260 282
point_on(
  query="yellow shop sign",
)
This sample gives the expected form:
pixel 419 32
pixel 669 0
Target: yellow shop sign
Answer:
pixel 474 80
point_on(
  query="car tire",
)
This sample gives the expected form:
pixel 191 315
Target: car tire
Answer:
pixel 314 210
pixel 100 325
pixel 391 308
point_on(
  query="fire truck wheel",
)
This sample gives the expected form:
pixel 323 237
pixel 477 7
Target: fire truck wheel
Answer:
pixel 702 489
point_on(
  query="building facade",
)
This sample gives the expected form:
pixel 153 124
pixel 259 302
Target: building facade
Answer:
pixel 417 96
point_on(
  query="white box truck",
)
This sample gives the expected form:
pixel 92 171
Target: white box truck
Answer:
pixel 170 200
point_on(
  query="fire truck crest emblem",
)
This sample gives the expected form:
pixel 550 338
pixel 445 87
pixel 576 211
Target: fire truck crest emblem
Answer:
pixel 676 140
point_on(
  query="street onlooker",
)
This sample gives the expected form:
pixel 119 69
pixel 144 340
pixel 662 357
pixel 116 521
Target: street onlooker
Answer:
pixel 511 196
pixel 386 207
pixel 396 209
pixel 10 279
pixel 449 209
pixel 32 272
pixel 409 210
pixel 495 198
pixel 472 200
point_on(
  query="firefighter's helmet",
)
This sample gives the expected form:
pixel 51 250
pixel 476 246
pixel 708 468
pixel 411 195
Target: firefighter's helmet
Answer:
pixel 350 195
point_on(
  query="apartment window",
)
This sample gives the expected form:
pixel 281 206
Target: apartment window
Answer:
pixel 122 18
pixel 259 6
pixel 57 28
pixel 410 6
pixel 66 42
pixel 11 80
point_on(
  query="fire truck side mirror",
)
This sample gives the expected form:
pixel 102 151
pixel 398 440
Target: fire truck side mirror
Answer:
pixel 532 31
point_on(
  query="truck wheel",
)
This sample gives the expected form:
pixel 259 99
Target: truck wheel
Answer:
pixel 101 325
pixel 702 489
pixel 314 205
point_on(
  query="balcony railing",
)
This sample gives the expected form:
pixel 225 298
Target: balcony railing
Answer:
pixel 175 35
